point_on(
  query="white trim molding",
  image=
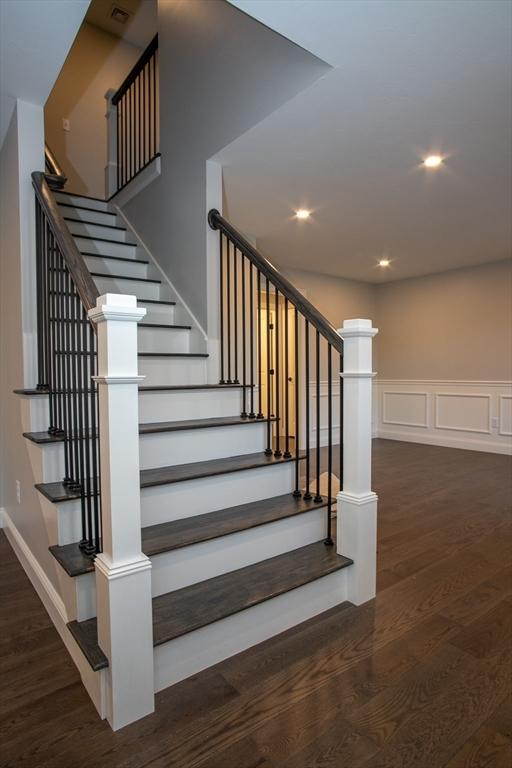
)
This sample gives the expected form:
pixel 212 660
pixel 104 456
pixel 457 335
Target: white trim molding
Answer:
pixel 473 415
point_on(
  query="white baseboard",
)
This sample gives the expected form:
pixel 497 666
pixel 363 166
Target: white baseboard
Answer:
pixel 94 682
pixel 471 415
pixel 2 513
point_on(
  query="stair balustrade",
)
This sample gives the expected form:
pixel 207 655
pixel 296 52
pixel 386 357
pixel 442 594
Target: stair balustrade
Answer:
pixel 133 121
pixel 67 357
pixel 283 352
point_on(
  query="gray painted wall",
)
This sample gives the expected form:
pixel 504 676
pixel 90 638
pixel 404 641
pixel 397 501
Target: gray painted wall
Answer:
pixel 221 72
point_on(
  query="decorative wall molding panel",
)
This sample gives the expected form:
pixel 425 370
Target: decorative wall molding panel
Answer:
pixel 324 388
pixel 475 415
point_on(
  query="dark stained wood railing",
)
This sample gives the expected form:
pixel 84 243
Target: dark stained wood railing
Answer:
pixel 54 174
pixel 277 345
pixel 67 356
pixel 137 105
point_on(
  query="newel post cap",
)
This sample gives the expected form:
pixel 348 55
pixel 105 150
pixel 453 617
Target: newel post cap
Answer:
pixel 116 306
pixel 357 327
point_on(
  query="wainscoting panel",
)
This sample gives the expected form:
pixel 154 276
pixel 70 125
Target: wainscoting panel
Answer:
pixel 405 409
pixel 475 415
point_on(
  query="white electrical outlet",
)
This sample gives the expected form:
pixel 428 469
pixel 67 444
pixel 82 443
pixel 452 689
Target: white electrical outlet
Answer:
pixel 494 422
pixel 18 491
pixel 65 124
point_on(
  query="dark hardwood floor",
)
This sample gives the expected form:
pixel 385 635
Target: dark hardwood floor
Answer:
pixel 420 677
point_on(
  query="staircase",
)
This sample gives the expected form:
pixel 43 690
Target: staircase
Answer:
pixel 236 557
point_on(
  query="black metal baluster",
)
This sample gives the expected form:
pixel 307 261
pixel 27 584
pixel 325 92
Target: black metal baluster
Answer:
pixel 52 335
pixel 228 292
pixel 318 497
pixel 297 492
pixel 221 317
pixel 286 454
pixel 244 343
pixel 46 302
pixel 59 319
pixel 139 122
pixel 145 113
pixel 155 111
pixel 252 415
pixel 268 449
pixel 39 284
pixel 307 493
pixel 235 315
pixel 259 415
pixel 329 539
pixel 118 146
pixel 68 444
pixel 277 452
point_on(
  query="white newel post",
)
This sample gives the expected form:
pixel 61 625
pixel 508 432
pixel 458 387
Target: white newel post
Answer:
pixel 357 504
pixel 111 166
pixel 123 572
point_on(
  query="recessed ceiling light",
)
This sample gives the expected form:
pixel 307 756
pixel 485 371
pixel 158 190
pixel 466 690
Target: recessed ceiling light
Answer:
pixel 384 262
pixel 433 161
pixel 302 213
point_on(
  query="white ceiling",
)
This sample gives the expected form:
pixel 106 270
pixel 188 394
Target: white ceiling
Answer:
pixel 139 29
pixel 409 78
pixel 35 38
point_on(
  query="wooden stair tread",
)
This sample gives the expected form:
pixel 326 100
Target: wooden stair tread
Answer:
pixel 85 207
pixel 102 239
pixel 126 277
pixel 198 469
pixel 185 610
pixel 156 301
pixel 184 424
pixel 42 438
pixel 173 354
pixel 31 391
pixel 95 223
pixel 166 537
pixel 86 636
pixel 177 613
pixel 57 492
pixel 180 387
pixel 114 258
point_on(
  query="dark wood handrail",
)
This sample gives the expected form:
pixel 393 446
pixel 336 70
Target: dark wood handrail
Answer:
pixel 135 71
pixel 75 262
pixel 52 165
pixel 310 312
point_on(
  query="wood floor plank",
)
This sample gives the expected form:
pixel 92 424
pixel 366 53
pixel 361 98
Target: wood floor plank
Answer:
pixel 485 749
pixel 294 701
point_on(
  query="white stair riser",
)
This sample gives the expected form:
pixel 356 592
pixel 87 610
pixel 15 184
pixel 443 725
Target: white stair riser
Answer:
pixel 100 205
pixel 163 503
pixel 163 339
pixel 172 370
pixel 187 655
pixel 67 517
pixel 130 268
pixel 94 230
pixel 189 404
pixel 78 594
pixel 167 448
pixel 108 249
pixel 183 567
pixel 34 413
pixel 93 217
pixel 129 287
pixel 47 461
pixel 158 313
